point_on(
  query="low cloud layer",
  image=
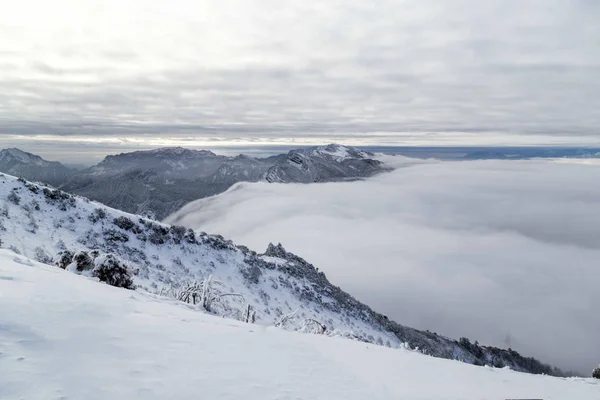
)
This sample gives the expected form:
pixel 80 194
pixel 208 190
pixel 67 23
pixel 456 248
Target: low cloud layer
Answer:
pixel 239 70
pixel 504 252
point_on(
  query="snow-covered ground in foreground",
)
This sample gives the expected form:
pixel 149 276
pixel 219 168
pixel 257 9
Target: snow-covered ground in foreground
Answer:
pixel 64 336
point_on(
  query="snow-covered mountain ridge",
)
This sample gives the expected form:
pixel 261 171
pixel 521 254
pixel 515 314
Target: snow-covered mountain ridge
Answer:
pixel 19 163
pixel 323 164
pixel 277 287
pixel 159 182
pixel 14 154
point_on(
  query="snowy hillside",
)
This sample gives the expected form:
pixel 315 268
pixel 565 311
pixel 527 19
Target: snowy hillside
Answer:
pixel 274 288
pixel 63 336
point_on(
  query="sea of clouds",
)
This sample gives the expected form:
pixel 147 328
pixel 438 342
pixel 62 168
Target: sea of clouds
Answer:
pixel 503 252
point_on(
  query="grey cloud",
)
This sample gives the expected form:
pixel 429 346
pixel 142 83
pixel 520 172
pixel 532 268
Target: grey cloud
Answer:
pixel 355 67
pixel 504 252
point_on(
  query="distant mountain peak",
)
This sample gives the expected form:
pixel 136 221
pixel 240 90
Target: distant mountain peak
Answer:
pixel 341 152
pixel 21 163
pixel 22 156
pixel 325 163
pixel 180 151
pixel 163 152
pixel 15 151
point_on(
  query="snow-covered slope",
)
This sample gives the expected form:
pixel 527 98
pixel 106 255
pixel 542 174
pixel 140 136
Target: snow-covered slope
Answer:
pixel 63 336
pixel 19 163
pixel 39 222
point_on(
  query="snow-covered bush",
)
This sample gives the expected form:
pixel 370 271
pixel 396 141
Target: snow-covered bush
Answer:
pixel 213 298
pixel 189 292
pixel 310 325
pixel 115 236
pixel 343 334
pixel 596 372
pixel 63 259
pixel 124 223
pixel 35 205
pixel 252 273
pixel 177 233
pixel 97 215
pixel 82 261
pixel 211 295
pixel 158 235
pixel 33 188
pixel 62 199
pixel 42 256
pixel 292 322
pixel 14 198
pixel 148 214
pixel 190 236
pixel 112 270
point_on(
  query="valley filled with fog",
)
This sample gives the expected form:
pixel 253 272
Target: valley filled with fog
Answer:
pixel 505 252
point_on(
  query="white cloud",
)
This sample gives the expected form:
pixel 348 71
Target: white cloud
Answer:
pixel 505 252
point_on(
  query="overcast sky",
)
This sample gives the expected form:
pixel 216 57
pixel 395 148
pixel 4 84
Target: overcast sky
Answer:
pixel 271 71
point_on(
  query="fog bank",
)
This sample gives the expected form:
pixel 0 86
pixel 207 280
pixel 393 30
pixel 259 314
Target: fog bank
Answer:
pixel 503 252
